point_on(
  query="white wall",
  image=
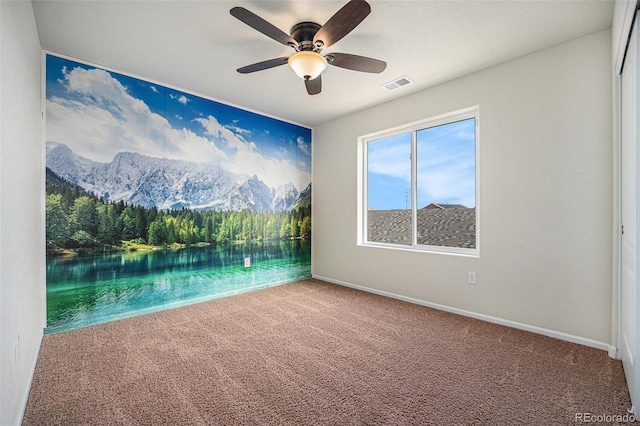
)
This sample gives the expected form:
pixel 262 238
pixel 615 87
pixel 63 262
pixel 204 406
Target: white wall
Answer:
pixel 21 241
pixel 545 195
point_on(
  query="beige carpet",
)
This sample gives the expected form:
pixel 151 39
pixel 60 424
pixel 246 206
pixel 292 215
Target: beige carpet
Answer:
pixel 313 353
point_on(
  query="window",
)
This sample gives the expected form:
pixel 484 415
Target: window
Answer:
pixel 419 185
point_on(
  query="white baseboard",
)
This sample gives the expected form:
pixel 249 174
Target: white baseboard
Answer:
pixel 611 350
pixel 25 396
pixel 614 353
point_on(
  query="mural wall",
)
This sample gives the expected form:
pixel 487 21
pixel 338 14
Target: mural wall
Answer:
pixel 157 198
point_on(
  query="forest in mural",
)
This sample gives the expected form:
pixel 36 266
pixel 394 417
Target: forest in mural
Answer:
pixel 136 171
pixel 81 222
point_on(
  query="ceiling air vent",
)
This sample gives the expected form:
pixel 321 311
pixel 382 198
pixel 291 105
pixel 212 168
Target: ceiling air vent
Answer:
pixel 397 83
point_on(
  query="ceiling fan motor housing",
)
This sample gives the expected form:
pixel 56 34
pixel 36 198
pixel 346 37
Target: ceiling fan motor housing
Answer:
pixel 303 33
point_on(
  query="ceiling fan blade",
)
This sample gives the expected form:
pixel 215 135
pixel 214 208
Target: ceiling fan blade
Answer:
pixel 314 86
pixel 356 62
pixel 266 28
pixel 259 66
pixel 342 22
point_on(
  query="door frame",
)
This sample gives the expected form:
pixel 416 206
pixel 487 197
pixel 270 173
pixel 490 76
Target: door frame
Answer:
pixel 632 370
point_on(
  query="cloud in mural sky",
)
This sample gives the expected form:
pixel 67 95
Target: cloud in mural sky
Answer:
pixel 180 98
pixel 303 146
pixel 98 116
pixel 273 172
pixel 105 120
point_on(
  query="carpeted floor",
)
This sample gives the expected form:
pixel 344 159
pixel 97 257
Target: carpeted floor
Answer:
pixel 314 353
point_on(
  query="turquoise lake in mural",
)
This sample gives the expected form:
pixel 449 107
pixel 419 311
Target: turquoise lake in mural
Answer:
pixel 90 289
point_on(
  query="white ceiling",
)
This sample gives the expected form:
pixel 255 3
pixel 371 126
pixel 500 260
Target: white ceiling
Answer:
pixel 196 46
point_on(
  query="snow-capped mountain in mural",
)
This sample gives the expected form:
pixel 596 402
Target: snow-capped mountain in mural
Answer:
pixel 147 181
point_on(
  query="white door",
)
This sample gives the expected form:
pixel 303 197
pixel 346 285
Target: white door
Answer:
pixel 630 183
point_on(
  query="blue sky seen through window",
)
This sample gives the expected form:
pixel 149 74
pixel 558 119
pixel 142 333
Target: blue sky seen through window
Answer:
pixel 445 167
pixel 389 172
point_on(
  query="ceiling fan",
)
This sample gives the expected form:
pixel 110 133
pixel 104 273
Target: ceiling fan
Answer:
pixel 308 39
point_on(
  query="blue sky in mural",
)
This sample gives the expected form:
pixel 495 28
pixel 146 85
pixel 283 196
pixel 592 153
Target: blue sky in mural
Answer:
pixel 99 113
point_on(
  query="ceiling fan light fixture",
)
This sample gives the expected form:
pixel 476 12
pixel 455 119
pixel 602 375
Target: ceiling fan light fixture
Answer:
pixel 307 65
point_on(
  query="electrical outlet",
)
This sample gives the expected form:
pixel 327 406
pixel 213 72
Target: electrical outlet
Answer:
pixel 471 278
pixel 247 262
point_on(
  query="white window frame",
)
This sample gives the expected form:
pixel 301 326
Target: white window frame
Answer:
pixel 413 128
